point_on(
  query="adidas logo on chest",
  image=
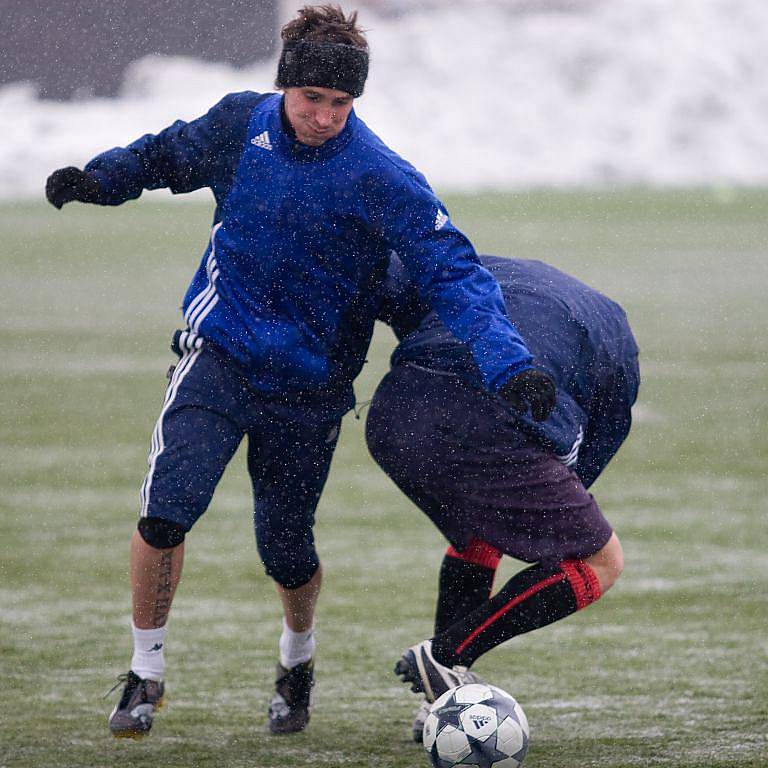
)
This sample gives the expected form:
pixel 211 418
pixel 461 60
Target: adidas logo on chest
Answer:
pixel 262 141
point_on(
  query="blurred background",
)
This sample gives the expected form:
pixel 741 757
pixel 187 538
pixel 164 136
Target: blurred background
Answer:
pixel 479 94
pixel 624 141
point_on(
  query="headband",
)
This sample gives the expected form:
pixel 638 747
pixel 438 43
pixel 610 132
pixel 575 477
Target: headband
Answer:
pixel 325 65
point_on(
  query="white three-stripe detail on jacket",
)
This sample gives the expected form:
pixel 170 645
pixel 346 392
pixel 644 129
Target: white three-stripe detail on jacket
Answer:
pixel 158 443
pixel 207 299
pixel 570 458
pixel 189 341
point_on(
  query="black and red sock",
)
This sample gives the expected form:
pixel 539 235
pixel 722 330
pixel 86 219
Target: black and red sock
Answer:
pixel 532 598
pixel 466 581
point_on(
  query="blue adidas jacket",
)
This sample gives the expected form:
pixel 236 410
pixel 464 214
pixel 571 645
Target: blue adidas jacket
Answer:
pixel 288 283
pixel 578 336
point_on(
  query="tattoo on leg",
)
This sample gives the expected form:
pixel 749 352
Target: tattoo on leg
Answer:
pixel 163 590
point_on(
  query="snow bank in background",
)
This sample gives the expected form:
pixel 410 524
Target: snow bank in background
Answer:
pixel 624 92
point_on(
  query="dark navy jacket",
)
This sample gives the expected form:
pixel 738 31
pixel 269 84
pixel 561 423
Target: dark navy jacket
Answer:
pixel 580 337
pixel 288 283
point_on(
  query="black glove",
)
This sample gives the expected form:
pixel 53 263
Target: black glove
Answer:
pixel 69 184
pixel 530 388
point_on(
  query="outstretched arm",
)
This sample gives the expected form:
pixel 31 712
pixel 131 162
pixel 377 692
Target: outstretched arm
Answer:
pixel 450 278
pixel 183 157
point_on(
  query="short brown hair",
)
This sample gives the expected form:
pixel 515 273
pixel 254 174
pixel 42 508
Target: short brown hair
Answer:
pixel 325 24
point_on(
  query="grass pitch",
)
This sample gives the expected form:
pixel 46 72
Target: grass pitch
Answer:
pixel 669 669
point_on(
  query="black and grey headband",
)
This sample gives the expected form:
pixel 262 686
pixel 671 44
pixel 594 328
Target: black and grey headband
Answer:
pixel 325 65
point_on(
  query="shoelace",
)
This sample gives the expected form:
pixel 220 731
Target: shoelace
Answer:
pixel 129 689
pixel 121 679
pixel 295 685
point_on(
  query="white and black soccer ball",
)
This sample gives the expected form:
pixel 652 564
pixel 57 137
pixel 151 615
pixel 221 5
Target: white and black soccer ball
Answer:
pixel 476 724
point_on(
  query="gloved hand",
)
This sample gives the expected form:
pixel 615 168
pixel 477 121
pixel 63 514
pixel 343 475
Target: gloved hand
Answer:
pixel 530 388
pixel 69 184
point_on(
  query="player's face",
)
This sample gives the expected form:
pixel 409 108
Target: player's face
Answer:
pixel 317 114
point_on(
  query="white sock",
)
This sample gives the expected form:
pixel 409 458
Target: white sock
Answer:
pixel 148 660
pixel 296 647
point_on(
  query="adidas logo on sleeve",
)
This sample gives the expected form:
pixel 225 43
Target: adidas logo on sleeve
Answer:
pixel 262 140
pixel 441 219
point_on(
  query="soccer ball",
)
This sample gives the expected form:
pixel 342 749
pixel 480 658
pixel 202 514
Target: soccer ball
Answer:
pixel 476 724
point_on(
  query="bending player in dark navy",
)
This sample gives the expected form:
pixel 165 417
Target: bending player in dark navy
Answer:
pixel 496 482
pixel 278 320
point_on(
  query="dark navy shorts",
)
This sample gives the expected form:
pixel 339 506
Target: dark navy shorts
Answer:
pixel 209 407
pixel 459 454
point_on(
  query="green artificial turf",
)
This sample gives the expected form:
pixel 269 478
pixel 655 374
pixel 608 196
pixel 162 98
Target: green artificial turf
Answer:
pixel 669 669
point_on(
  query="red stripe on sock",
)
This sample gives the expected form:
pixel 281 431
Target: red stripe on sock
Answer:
pixel 509 606
pixel 583 581
pixel 477 552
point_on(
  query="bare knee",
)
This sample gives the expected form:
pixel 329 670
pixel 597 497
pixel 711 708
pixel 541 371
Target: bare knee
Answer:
pixel 608 563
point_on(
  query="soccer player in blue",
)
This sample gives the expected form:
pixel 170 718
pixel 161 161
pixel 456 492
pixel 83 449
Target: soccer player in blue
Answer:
pixel 496 482
pixel 278 317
